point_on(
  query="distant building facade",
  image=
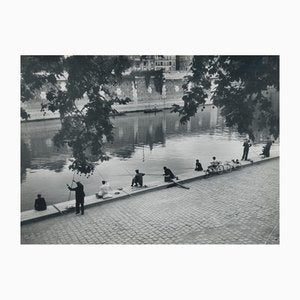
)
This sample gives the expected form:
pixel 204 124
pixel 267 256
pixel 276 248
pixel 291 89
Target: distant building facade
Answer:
pixel 183 62
pixel 165 62
pixel 142 62
pixel 154 62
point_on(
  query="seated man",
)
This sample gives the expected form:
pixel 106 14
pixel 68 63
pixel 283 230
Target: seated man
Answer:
pixel 198 166
pixel 104 190
pixel 137 179
pixel 213 164
pixel 40 203
pixel 266 148
pixel 169 176
pixel 236 163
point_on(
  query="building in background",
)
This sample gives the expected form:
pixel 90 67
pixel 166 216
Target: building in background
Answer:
pixel 154 62
pixel 183 62
pixel 165 62
pixel 142 62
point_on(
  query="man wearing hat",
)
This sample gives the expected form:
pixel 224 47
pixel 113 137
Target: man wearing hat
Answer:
pixel 79 196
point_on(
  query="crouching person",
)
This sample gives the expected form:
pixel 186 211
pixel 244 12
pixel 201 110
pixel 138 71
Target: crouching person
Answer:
pixel 169 175
pixel 104 190
pixel 40 203
pixel 137 180
pixel 198 166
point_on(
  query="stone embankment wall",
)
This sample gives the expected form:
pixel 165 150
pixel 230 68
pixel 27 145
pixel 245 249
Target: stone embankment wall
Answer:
pixel 142 97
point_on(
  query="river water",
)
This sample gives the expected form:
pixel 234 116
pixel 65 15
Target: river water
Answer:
pixel 142 141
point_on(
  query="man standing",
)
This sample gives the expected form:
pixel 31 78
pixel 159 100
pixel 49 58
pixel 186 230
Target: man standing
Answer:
pixel 79 196
pixel 246 146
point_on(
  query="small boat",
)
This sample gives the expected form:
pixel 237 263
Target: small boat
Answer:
pixel 151 110
pixel 118 114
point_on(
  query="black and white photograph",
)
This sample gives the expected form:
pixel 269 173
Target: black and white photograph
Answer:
pixel 149 150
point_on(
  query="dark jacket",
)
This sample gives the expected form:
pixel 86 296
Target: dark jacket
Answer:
pixel 169 173
pixel 79 192
pixel 246 146
pixel 266 150
pixel 138 178
pixel 40 204
pixel 198 167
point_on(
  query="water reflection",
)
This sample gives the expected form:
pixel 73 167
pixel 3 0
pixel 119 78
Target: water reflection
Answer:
pixel 25 159
pixel 37 149
pixel 131 131
pixel 153 129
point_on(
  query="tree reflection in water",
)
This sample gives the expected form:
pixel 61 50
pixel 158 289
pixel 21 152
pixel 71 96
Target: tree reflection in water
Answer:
pixel 131 131
pixel 56 165
pixel 25 159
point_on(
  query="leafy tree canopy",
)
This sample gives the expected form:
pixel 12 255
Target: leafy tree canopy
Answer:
pixel 238 85
pixel 85 129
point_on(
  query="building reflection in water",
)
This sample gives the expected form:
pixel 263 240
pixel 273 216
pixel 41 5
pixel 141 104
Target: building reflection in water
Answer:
pixel 131 131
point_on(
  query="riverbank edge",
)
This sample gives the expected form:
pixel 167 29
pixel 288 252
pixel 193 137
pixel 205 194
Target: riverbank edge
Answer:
pixel 122 112
pixel 63 208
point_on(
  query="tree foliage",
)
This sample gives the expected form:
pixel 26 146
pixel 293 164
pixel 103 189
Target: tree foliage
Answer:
pixel 236 84
pixel 83 129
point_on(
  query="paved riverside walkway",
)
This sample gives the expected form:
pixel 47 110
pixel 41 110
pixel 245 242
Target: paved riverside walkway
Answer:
pixel 241 207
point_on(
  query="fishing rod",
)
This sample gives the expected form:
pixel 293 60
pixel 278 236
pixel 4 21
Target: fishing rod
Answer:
pixel 181 185
pixel 71 186
pixel 133 175
pixel 154 174
pixel 189 168
pixel 122 175
pixel 102 178
pixel 127 171
pixel 122 189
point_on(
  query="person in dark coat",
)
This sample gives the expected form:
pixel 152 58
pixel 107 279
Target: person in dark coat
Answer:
pixel 266 149
pixel 198 166
pixel 169 176
pixel 246 146
pixel 137 179
pixel 79 196
pixel 40 203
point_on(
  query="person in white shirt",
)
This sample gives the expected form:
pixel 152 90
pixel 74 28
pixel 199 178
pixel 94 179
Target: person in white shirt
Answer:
pixel 104 190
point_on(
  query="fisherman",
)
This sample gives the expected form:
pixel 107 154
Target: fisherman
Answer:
pixel 246 146
pixel 266 148
pixel 40 203
pixel 198 166
pixel 213 165
pixel 137 179
pixel 169 176
pixel 104 190
pixel 236 163
pixel 79 196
